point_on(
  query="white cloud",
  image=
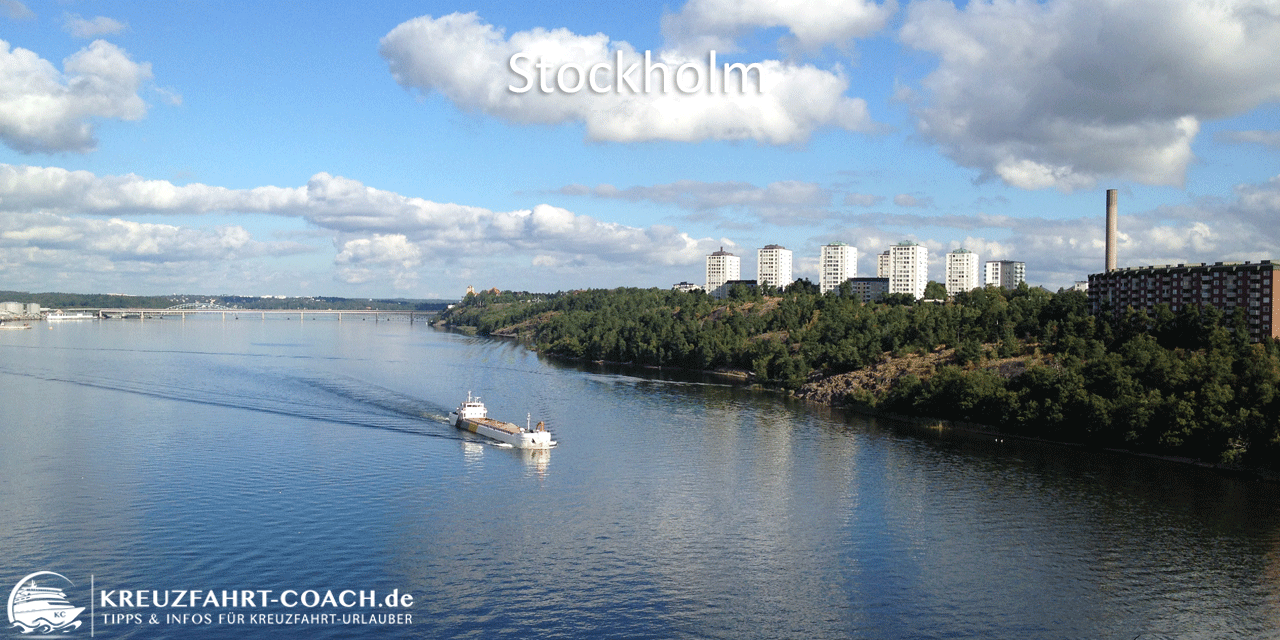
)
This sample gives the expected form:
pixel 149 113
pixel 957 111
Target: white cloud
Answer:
pixel 467 61
pixel 702 25
pixel 908 200
pixel 862 199
pixel 47 111
pixel 16 10
pixel 380 231
pixel 91 27
pixel 63 237
pixel 24 188
pixel 1063 94
pixel 387 253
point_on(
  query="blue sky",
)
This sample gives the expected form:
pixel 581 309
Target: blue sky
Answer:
pixel 376 149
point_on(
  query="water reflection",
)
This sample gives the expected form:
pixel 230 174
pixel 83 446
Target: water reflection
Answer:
pixel 287 455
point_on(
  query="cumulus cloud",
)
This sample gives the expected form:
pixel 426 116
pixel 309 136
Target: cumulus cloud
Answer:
pixel 365 259
pixel 1063 94
pixel 380 232
pixel 468 62
pixel 44 110
pixel 91 27
pixel 702 25
pixel 65 237
pixel 25 188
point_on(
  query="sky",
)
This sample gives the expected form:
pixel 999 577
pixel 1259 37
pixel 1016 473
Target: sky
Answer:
pixel 411 149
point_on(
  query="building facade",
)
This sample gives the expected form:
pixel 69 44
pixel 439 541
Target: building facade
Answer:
pixel 773 266
pixel 869 289
pixel 908 269
pixel 722 267
pixel 1005 273
pixel 838 263
pixel 686 287
pixel 1225 285
pixel 962 271
pixel 884 265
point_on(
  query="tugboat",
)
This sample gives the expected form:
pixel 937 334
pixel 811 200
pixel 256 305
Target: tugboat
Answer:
pixel 472 416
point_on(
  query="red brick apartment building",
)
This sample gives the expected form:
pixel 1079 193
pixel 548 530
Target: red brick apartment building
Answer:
pixel 1225 285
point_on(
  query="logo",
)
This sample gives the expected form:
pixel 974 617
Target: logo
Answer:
pixel 33 607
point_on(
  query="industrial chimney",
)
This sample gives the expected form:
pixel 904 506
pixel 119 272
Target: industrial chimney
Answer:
pixel 1111 229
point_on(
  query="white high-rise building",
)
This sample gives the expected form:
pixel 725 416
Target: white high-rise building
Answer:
pixel 773 266
pixel 962 271
pixel 883 265
pixel 722 267
pixel 838 263
pixel 908 269
pixel 1005 273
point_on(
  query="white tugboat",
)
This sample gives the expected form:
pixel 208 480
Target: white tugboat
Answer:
pixel 472 416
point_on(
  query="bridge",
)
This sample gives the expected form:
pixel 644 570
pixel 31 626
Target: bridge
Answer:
pixel 206 309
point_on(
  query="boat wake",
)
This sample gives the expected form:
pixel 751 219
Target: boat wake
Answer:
pixel 334 399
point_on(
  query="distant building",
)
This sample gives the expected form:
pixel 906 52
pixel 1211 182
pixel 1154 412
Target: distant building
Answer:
pixel 773 266
pixel 749 284
pixel 1225 285
pixel 908 269
pixel 722 267
pixel 686 287
pixel 21 309
pixel 1005 273
pixel 869 289
pixel 883 265
pixel 962 271
pixel 838 263
pixel 1080 285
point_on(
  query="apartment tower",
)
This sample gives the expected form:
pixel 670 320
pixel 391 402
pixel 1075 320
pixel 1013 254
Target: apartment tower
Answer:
pixel 962 271
pixel 838 263
pixel 908 269
pixel 773 266
pixel 722 267
pixel 1005 273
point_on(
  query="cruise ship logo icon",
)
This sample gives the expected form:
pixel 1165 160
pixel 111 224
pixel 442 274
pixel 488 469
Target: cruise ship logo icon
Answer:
pixel 42 606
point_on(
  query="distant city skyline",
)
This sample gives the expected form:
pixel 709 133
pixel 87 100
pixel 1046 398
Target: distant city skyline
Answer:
pixel 376 150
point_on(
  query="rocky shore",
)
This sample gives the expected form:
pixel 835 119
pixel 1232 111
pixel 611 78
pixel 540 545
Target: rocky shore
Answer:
pixel 866 387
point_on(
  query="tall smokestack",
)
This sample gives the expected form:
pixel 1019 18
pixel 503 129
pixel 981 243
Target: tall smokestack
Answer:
pixel 1111 229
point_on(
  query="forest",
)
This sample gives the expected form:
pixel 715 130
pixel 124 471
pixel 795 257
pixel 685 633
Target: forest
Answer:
pixel 1187 384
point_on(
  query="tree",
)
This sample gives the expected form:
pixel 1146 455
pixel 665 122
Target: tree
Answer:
pixel 935 291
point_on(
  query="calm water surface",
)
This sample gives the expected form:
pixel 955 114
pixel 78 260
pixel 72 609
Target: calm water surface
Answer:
pixel 315 455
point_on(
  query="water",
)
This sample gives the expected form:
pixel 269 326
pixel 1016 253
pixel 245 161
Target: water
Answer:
pixel 315 455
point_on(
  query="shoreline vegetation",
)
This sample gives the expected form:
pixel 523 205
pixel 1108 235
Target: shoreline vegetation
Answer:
pixel 1186 386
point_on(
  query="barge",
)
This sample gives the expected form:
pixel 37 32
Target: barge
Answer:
pixel 474 417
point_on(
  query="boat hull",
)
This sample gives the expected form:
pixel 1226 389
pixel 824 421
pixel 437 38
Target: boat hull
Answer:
pixel 504 432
